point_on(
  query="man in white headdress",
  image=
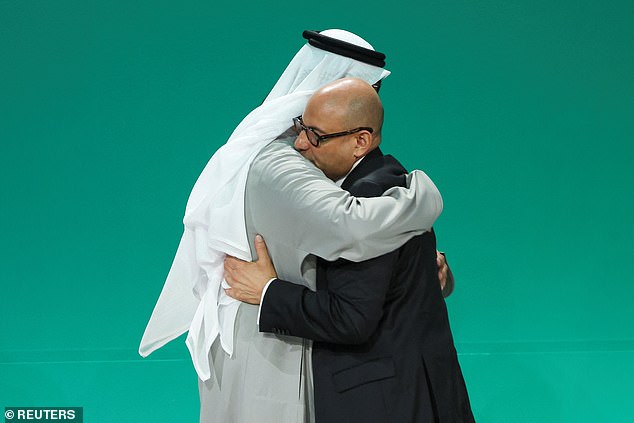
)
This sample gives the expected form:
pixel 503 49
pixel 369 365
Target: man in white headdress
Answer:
pixel 247 376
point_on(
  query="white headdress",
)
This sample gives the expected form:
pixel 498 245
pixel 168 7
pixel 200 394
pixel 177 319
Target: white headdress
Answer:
pixel 192 297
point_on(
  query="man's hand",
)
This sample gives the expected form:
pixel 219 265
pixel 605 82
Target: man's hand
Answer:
pixel 442 269
pixel 445 275
pixel 247 279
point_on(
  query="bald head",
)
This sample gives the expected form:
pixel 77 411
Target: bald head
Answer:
pixel 347 114
pixel 353 103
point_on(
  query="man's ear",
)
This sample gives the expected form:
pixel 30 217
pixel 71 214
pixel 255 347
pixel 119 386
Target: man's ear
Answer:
pixel 364 143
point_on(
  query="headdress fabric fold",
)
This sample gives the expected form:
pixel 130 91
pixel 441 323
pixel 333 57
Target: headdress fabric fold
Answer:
pixel 192 297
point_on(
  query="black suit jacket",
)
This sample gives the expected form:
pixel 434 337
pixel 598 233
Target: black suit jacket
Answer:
pixel 383 349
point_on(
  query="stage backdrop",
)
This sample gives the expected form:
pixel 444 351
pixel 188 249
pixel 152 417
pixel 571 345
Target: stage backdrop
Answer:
pixel 522 112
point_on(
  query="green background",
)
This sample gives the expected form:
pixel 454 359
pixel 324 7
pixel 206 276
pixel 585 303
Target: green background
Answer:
pixel 522 112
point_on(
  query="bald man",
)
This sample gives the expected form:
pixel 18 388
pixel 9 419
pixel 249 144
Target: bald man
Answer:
pixel 383 347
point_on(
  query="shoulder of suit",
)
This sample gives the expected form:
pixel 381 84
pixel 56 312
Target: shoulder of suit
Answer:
pixel 391 161
pixel 389 174
pixel 367 187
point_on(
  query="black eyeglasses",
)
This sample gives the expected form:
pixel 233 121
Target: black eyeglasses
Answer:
pixel 315 139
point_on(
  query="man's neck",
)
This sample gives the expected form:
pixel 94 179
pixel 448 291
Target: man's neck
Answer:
pixel 338 182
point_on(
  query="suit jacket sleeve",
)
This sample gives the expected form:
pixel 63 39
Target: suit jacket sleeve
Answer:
pixel 348 312
pixel 302 209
